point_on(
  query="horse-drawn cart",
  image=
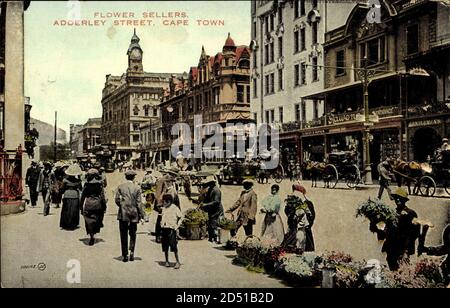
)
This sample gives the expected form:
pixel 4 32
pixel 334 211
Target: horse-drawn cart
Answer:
pixel 341 165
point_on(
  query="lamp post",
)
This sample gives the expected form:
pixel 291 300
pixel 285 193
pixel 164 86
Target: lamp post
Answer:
pixel 364 75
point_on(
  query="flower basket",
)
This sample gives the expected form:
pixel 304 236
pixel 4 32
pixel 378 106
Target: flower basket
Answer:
pixel 249 250
pixel 193 231
pixel 227 223
pixel 300 270
pixel 376 211
pixel 194 223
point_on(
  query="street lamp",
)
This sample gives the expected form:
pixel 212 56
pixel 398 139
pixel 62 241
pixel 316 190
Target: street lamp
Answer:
pixel 365 75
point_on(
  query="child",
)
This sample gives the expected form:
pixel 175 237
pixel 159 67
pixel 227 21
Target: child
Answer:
pixel 170 222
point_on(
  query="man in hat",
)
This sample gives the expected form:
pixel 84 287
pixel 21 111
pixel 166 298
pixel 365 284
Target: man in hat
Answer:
pixel 399 238
pixel 212 204
pixel 385 177
pixel 247 207
pixel 31 180
pixel 44 185
pixel 128 199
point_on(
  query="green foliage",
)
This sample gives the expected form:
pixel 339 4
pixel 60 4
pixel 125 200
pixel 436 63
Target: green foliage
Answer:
pixel 195 217
pixel 47 152
pixel 377 211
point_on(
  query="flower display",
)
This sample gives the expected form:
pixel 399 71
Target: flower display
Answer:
pixel 227 224
pixel 377 211
pixel 195 217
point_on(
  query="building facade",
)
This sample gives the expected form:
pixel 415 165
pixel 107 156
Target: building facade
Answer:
pixel 74 139
pixel 287 44
pixel 129 101
pixel 407 85
pixel 213 98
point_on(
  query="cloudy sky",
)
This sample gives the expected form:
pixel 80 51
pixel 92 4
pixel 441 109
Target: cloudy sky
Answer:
pixel 65 66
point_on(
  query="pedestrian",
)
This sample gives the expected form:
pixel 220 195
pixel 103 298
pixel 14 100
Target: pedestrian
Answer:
pixel 31 180
pixel 297 212
pixel 57 178
pixel 44 186
pixel 399 238
pixel 149 180
pixel 70 211
pixel 211 203
pixel 170 222
pixel 385 176
pixel 246 207
pixel 93 202
pixel 272 226
pixel 128 199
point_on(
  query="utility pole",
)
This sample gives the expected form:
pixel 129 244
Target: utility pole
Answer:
pixel 54 137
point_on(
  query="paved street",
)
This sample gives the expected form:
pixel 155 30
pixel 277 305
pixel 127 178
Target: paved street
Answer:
pixel 29 239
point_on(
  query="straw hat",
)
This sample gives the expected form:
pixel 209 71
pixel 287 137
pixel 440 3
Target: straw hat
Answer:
pixel 74 170
pixel 400 192
pixel 209 179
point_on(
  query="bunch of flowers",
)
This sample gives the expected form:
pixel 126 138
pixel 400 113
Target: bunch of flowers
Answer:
pixel 227 223
pixel 377 211
pixel 425 273
pixel 346 270
pixel 195 217
pixel 300 269
pixel 248 250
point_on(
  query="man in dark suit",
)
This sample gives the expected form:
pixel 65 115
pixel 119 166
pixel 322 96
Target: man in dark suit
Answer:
pixel 128 199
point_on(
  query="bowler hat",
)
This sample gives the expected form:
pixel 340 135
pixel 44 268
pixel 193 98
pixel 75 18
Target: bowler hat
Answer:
pixel 130 173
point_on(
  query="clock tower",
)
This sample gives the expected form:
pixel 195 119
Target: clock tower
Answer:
pixel 135 68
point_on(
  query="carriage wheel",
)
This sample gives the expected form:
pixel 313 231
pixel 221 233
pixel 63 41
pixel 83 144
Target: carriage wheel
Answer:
pixel 353 176
pixel 447 186
pixel 427 186
pixel 330 176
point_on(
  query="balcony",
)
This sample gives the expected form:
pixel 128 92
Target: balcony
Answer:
pixel 428 109
pixel 290 126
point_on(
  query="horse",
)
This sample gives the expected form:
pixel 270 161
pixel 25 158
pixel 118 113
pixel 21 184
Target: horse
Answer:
pixel 314 170
pixel 407 172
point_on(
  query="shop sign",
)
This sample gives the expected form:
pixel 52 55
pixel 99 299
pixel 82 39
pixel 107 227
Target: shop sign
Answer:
pixel 341 118
pixel 425 123
pixel 314 133
pixel 386 112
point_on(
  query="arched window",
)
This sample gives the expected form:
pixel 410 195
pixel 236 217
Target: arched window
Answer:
pixel 245 63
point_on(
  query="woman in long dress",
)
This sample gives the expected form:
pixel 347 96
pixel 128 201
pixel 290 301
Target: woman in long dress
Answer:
pixel 70 212
pixel 57 178
pixel 272 226
pixel 93 202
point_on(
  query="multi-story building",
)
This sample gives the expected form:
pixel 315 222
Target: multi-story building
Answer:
pixel 91 134
pixel 129 101
pixel 217 91
pixel 406 59
pixel 287 44
pixel 74 139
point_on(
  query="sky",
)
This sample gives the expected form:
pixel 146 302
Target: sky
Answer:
pixel 65 66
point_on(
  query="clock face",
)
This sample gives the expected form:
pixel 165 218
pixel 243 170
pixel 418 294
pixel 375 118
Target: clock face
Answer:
pixel 136 54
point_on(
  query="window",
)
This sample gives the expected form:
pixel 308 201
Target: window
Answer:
pixel 267 116
pixel 296 46
pixel 266 54
pixel 146 112
pixel 266 21
pixel 280 114
pixel 296 9
pixel 280 79
pixel 314 32
pixel 240 94
pixel 315 76
pixel 272 56
pixel 302 7
pixel 272 21
pixel 303 111
pixel 135 138
pixel 272 83
pixel 135 126
pixel 136 110
pixel 340 62
pixel 412 39
pixel 315 109
pixel 247 94
pixel 302 39
pixel 280 14
pixel 280 46
pixel 373 50
pixel 272 116
pixel 314 4
pixel 303 74
pixel 296 74
pixel 155 112
pixel 255 88
pixel 267 84
pixel 297 112
pixel 254 29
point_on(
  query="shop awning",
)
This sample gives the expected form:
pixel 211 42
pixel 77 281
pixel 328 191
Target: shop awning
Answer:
pixel 321 94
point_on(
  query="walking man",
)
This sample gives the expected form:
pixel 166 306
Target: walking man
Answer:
pixel 128 199
pixel 31 180
pixel 385 177
pixel 247 206
pixel 44 186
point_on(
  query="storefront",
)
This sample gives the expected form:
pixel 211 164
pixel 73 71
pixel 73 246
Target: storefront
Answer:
pixel 425 137
pixel 313 144
pixel 290 148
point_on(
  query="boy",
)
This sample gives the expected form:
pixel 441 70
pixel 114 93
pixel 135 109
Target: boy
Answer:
pixel 170 222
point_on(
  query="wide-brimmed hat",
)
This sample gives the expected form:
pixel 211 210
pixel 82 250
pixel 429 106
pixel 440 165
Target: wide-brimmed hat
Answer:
pixel 400 192
pixel 250 182
pixel 74 170
pixel 207 180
